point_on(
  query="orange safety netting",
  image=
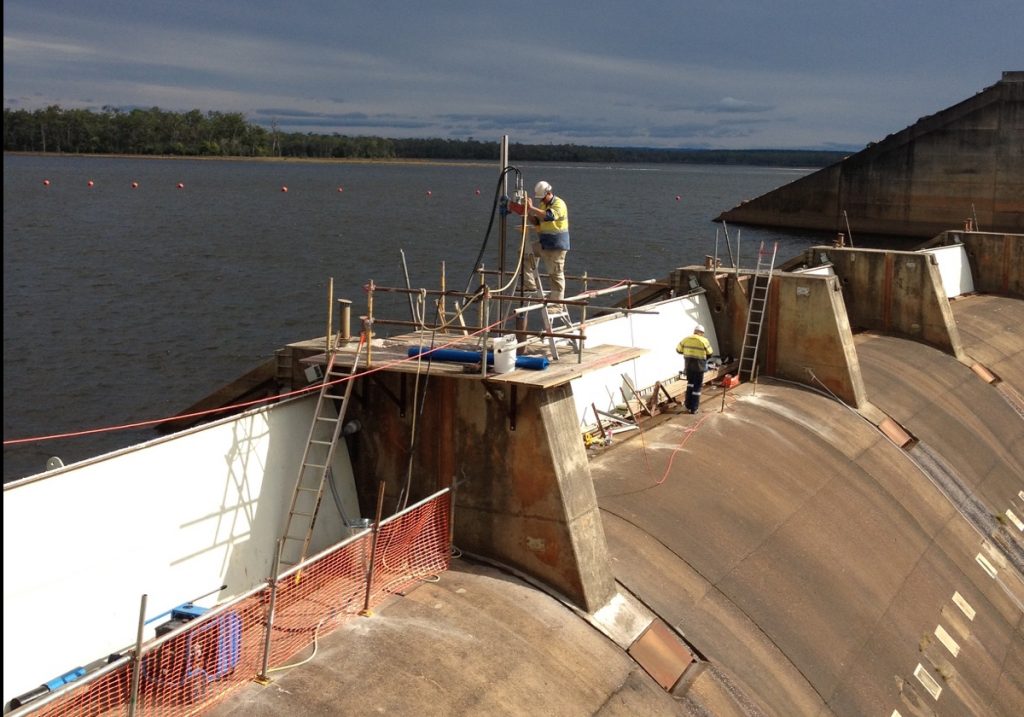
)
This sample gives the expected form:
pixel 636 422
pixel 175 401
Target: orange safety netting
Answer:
pixel 220 652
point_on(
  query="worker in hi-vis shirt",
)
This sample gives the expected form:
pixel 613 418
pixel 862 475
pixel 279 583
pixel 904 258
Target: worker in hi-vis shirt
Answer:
pixel 696 350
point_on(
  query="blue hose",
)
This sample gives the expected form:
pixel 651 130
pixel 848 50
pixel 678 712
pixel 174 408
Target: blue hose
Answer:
pixel 534 363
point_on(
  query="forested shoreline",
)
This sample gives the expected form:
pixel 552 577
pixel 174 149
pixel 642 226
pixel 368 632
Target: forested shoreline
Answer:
pixel 156 132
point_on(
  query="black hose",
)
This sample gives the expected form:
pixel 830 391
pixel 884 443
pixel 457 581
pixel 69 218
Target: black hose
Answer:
pixel 490 223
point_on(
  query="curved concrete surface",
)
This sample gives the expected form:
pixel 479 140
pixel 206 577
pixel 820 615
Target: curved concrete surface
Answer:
pixel 478 642
pixel 802 550
pixel 817 567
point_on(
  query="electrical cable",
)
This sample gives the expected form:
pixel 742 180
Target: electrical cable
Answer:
pixel 316 646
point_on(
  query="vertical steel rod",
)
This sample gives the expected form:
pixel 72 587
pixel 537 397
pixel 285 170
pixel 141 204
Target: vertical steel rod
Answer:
pixel 133 700
pixel 408 285
pixel 329 338
pixel 368 323
pixel 485 310
pixel 503 227
pixel 442 309
pixel 270 611
pixel 373 551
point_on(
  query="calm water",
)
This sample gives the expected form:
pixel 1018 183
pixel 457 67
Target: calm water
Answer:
pixel 124 305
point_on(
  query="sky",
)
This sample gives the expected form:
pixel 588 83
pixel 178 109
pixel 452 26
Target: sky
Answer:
pixel 727 74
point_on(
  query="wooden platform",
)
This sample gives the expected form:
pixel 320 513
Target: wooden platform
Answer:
pixel 392 354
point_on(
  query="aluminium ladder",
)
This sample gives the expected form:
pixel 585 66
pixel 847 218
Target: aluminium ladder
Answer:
pixel 324 432
pixel 757 304
pixel 558 319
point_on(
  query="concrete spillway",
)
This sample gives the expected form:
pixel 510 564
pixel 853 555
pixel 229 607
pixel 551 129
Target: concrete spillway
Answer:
pixel 965 162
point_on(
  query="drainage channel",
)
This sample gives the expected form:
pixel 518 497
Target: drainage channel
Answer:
pixel 946 479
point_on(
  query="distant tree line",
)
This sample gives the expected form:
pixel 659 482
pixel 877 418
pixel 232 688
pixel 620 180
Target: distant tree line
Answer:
pixel 228 134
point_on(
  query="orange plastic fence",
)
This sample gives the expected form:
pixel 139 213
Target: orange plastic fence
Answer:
pixel 218 653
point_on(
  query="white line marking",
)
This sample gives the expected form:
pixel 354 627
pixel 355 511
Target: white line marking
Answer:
pixel 965 607
pixel 986 565
pixel 946 639
pixel 1015 520
pixel 926 679
pixel 895 713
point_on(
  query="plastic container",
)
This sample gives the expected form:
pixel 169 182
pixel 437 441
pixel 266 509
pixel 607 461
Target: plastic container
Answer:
pixel 505 353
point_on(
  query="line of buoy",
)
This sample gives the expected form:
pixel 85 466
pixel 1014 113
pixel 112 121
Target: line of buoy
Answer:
pixel 284 188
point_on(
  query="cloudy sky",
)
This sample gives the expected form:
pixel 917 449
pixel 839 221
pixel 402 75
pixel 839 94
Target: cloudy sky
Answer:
pixel 671 73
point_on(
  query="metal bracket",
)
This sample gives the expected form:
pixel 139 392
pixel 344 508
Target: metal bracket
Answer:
pixel 399 401
pixel 513 402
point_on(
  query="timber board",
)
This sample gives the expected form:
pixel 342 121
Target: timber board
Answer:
pixel 392 355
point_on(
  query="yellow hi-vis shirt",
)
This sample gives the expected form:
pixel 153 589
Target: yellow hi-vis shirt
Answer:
pixel 695 346
pixel 553 230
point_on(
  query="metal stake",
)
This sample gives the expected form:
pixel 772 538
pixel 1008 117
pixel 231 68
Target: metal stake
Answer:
pixel 137 660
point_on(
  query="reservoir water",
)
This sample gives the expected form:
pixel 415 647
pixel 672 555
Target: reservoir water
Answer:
pixel 128 303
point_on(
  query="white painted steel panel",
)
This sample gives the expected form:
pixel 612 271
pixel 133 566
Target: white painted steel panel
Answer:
pixel 173 518
pixel 954 269
pixel 658 332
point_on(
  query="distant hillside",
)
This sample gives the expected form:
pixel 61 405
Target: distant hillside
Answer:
pixel 229 134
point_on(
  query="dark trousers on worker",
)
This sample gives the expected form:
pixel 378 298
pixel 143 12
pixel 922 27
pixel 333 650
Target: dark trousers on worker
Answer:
pixel 694 383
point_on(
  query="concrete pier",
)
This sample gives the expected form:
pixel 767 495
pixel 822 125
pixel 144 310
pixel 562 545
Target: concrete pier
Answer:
pixel 964 162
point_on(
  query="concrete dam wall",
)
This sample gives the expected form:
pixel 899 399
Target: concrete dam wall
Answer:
pixel 963 163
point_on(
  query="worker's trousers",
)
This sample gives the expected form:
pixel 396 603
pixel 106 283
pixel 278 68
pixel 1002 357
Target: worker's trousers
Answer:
pixel 554 265
pixel 694 384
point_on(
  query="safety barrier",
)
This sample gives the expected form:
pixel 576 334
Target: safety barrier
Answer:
pixel 188 670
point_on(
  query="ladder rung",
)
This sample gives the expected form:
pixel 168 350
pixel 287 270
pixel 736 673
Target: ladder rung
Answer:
pixel 331 395
pixel 309 490
pixel 313 465
pixel 299 512
pixel 327 418
pixel 321 443
pixel 295 537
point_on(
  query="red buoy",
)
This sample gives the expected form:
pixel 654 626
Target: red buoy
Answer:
pixel 181 185
pixel 341 189
pixel 46 182
pixel 284 189
pixel 135 185
pixel 90 183
pixel 429 193
pixel 677 197
pixel 478 192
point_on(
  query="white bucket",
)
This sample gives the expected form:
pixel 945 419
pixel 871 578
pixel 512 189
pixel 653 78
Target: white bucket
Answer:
pixel 505 353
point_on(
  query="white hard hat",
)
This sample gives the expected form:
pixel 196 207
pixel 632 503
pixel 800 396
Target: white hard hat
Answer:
pixel 699 328
pixel 541 189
